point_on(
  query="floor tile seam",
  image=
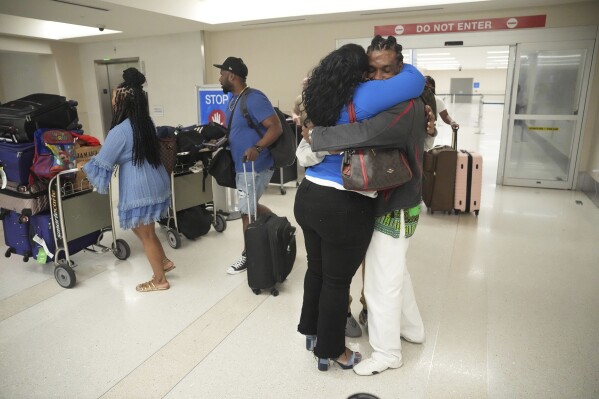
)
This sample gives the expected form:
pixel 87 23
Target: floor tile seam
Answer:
pixel 443 307
pixel 29 292
pixel 171 341
pixel 25 294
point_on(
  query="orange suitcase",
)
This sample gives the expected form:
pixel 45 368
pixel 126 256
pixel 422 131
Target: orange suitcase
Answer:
pixel 468 182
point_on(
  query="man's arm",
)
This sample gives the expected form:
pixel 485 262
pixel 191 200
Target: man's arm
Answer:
pixel 382 131
pixel 447 119
pixel 273 131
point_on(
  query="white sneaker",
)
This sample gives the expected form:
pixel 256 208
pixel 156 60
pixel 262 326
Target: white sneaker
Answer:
pixel 372 366
pixel 419 340
pixel 240 266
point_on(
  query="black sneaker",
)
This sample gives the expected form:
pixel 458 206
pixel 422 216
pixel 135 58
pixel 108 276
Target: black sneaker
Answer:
pixel 238 267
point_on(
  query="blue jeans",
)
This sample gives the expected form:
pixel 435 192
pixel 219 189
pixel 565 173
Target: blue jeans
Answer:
pixel 337 227
pixel 244 192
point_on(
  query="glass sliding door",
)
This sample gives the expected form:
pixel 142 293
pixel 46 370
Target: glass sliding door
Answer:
pixel 545 113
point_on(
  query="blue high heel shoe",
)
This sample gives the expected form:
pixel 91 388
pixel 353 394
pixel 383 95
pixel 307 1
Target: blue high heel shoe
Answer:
pixel 310 342
pixel 356 357
pixel 323 364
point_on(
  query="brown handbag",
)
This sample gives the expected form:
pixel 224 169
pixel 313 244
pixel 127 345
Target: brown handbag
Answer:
pixel 373 169
pixel 168 153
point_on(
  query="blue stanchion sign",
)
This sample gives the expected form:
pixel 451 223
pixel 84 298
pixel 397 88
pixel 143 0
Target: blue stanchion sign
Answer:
pixel 212 104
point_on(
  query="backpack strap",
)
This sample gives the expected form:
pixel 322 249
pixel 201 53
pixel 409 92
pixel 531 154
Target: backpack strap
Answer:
pixel 247 116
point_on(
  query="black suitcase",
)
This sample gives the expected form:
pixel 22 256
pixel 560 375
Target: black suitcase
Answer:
pixel 270 250
pixel 20 118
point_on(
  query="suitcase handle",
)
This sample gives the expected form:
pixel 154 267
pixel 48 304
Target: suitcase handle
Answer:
pixel 247 190
pixel 454 138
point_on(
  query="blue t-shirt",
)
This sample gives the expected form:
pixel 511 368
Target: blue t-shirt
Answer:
pixel 242 136
pixel 371 98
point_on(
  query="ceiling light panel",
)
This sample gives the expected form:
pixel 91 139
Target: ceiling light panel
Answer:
pixel 30 27
pixel 219 12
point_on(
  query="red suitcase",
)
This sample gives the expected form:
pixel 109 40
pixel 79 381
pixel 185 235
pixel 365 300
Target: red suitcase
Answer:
pixel 468 182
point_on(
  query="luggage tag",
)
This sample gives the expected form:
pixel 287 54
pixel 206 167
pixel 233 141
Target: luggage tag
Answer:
pixel 39 240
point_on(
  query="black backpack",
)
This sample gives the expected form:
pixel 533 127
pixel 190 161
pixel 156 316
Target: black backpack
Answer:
pixel 282 150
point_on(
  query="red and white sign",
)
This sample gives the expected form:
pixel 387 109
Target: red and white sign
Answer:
pixel 469 25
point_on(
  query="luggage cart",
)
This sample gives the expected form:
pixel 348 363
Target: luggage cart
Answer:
pixel 76 212
pixel 189 189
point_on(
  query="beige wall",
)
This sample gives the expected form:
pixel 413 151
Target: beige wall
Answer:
pixel 173 67
pixel 279 57
pixel 22 74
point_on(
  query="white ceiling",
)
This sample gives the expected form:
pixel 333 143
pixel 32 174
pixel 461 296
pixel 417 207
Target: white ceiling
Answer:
pixel 142 18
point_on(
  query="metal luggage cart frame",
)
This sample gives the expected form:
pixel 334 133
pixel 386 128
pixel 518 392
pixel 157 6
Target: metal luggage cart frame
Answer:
pixel 74 213
pixel 187 190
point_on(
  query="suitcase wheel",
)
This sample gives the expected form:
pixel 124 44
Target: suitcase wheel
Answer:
pixel 254 290
pixel 8 252
pixel 283 191
pixel 26 257
pixel 476 212
pixel 274 292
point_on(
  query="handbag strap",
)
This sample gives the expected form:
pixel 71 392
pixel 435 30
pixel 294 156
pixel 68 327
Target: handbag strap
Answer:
pixel 351 110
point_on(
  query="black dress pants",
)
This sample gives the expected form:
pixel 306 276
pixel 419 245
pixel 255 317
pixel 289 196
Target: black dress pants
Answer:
pixel 337 227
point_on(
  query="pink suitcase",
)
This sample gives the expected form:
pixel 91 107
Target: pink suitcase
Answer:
pixel 468 182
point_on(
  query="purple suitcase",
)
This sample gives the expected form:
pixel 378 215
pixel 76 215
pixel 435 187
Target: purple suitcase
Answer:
pixel 41 225
pixel 16 234
pixel 16 160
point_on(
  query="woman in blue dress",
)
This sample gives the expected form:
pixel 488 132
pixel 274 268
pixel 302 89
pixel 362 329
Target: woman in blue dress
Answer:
pixel 337 224
pixel 144 186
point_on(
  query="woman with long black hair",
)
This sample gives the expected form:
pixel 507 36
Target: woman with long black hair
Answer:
pixel 144 186
pixel 338 224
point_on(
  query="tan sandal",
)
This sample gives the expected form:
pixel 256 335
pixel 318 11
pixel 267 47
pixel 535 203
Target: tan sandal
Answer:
pixel 150 286
pixel 165 261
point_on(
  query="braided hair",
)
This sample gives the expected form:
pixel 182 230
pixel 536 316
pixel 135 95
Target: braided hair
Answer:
pixel 332 83
pixel 430 82
pixel 390 43
pixel 131 102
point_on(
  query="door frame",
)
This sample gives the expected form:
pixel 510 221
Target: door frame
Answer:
pixel 511 117
pixel 98 64
pixel 507 38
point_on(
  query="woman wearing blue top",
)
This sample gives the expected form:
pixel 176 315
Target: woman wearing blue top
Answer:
pixel 144 187
pixel 338 224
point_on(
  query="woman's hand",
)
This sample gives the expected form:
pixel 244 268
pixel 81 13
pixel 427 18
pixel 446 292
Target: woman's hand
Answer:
pixel 430 120
pixel 306 134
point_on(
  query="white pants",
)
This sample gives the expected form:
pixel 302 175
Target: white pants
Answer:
pixel 392 308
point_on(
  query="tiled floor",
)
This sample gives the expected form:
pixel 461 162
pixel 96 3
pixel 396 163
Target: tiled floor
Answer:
pixel 509 301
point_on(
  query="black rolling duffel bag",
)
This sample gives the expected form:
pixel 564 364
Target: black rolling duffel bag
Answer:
pixel 20 118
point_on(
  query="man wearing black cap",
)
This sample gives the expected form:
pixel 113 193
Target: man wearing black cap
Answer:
pixel 245 143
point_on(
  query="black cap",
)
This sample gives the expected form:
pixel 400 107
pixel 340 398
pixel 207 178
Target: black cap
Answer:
pixel 234 65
